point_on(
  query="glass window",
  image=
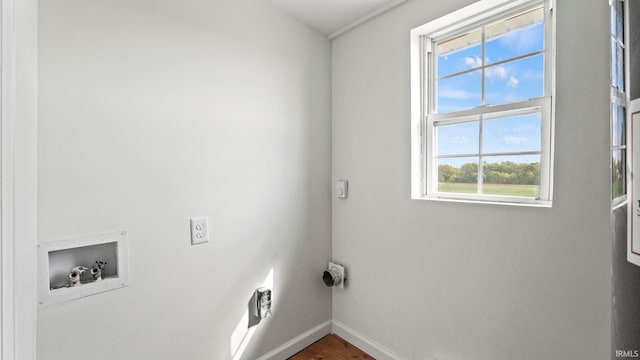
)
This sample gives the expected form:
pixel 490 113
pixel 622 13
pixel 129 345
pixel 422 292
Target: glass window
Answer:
pixel 517 36
pixel 516 175
pixel 512 69
pixel 618 173
pixel 458 175
pixel 617 65
pixel 458 138
pixel 487 109
pixel 516 80
pixel 618 105
pixel 460 92
pixel 618 126
pixel 459 54
pixel 512 134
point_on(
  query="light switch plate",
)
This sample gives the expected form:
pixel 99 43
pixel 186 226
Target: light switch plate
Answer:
pixel 342 189
pixel 199 230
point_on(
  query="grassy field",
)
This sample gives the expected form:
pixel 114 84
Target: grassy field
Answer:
pixel 492 189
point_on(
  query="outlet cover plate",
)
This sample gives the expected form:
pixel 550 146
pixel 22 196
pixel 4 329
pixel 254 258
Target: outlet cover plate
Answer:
pixel 199 230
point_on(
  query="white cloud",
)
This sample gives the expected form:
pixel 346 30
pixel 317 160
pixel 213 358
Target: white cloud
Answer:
pixel 499 72
pixel 459 139
pixel 524 40
pixel 514 140
pixel 473 62
pixel 492 72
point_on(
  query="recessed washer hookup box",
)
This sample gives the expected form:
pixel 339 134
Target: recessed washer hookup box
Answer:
pixel 77 266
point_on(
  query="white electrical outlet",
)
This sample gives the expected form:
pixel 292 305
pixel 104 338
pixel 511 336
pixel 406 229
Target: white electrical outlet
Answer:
pixel 199 230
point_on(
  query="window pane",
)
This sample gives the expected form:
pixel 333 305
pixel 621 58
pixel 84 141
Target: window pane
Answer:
pixel 512 134
pixel 511 175
pixel 460 92
pixel 618 126
pixel 614 19
pixel 458 175
pixel 517 80
pixel 458 139
pixel 617 20
pixel 617 65
pixel 519 35
pixel 618 167
pixel 459 54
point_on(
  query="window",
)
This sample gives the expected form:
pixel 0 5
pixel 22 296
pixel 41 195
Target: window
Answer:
pixel 482 87
pixel 618 105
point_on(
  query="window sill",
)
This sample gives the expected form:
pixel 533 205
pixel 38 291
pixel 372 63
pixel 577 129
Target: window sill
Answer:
pixel 493 200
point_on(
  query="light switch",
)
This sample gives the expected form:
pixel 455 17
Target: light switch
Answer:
pixel 342 189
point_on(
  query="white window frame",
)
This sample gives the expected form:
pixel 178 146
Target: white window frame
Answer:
pixel 621 98
pixel 423 171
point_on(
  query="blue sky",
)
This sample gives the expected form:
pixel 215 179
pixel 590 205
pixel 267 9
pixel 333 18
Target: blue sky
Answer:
pixel 508 134
pixel 505 82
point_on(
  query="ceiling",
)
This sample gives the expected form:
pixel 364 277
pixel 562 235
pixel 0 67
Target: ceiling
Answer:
pixel 332 17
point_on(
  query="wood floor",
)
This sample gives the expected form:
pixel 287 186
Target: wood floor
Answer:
pixel 331 347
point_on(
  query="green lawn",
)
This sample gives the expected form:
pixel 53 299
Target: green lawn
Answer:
pixel 492 189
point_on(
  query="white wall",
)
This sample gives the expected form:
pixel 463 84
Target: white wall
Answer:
pixel 466 281
pixel 154 111
pixel 25 173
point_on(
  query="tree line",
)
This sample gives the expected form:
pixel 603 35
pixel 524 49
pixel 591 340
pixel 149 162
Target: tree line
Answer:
pixel 506 172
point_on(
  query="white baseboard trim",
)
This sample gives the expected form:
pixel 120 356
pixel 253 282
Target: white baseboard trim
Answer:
pixel 371 347
pixel 298 343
